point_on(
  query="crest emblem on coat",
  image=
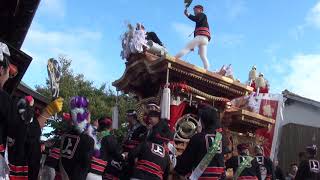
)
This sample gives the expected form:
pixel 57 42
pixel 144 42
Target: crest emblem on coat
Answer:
pixel 314 166
pixel 158 150
pixel 69 145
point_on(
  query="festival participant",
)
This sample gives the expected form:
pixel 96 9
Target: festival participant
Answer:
pixel 51 169
pixel 9 121
pixel 155 123
pixel 110 150
pixel 244 166
pixel 77 146
pixel 7 110
pixel 151 159
pixel 152 36
pixel 266 165
pixel 26 149
pixel 292 172
pixel 98 165
pixel 302 156
pixel 309 169
pixel 136 132
pixel 278 171
pixel 95 124
pixel 136 135
pixel 199 146
pixel 201 35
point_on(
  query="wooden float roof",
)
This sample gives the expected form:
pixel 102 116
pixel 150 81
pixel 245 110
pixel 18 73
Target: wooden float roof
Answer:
pixel 22 61
pixel 24 90
pixel 242 120
pixel 145 73
pixel 16 17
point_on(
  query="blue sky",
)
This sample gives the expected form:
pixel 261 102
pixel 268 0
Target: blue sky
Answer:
pixel 280 37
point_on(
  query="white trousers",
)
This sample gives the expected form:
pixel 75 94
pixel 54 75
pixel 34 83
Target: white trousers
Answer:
pixel 202 43
pixel 92 176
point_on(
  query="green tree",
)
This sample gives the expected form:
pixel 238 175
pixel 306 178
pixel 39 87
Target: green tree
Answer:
pixel 102 99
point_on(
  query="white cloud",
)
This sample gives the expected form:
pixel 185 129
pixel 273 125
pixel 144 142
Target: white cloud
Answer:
pixel 78 45
pixel 64 38
pixel 313 16
pixel 55 8
pixel 312 19
pixel 235 8
pixel 184 30
pixel 229 40
pixel 298 31
pixel 302 75
pixel 272 49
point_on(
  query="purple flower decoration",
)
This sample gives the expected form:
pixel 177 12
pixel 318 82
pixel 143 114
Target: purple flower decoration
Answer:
pixel 82 117
pixel 79 102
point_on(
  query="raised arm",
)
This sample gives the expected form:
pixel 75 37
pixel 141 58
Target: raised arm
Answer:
pixel 54 107
pixel 196 18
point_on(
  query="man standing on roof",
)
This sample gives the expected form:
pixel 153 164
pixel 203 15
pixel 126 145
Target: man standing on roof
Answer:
pixel 201 35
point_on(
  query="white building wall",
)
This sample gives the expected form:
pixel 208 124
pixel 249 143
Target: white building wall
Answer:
pixel 302 114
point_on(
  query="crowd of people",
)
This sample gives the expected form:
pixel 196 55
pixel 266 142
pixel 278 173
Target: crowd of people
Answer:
pixel 90 150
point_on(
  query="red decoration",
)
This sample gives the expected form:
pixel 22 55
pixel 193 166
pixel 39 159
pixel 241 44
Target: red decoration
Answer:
pixel 269 108
pixel 66 116
pixel 264 137
pixel 175 113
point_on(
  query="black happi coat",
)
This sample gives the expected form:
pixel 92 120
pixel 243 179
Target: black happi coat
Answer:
pixel 250 172
pixel 76 154
pixel 266 166
pixel 111 153
pixel 24 153
pixel 33 149
pixel 196 150
pixel 7 119
pixel 202 25
pixel 136 135
pixel 308 170
pixel 153 161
